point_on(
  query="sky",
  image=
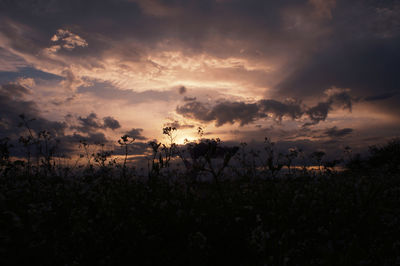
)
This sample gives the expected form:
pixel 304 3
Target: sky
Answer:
pixel 315 74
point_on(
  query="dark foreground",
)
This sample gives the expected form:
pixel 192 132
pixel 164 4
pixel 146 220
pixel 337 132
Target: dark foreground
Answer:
pixel 108 217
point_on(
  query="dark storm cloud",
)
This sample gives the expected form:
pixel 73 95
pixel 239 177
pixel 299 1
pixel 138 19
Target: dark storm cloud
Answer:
pixel 21 37
pixel 360 53
pixel 17 115
pixel 195 110
pixel 70 145
pixel 380 97
pixel 182 90
pixel 111 123
pixel 245 113
pixel 310 46
pixel 27 72
pixel 188 24
pixel 89 123
pixel 136 133
pixel 189 99
pixel 14 110
pixel 178 125
pixel 92 123
pixel 13 90
pixel 136 148
pixel 192 23
pixel 231 112
pixel 318 113
pixel 10 62
pixel 337 98
pixel 13 104
pixel 280 109
pixel 221 113
pixel 334 132
pixel 366 66
pixel 91 138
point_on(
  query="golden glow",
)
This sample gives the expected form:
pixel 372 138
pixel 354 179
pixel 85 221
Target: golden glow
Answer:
pixel 184 139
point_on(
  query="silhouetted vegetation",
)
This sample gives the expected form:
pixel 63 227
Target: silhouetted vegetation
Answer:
pixel 201 203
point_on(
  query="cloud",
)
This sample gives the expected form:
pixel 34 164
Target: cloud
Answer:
pixel 111 123
pixel 71 82
pixel 133 53
pixel 231 112
pixel 323 8
pixel 10 61
pixel 195 110
pixel 380 97
pixel 13 105
pixel 136 133
pixel 318 113
pixel 365 64
pixel 109 92
pixel 252 54
pixel 14 90
pixel 136 148
pixel 334 132
pixel 245 113
pixel 387 21
pixel 178 125
pixel 27 73
pixel 182 90
pixel 89 123
pixel 91 138
pixel 67 40
pixel 92 123
pixel 336 98
pixel 340 97
pixel 278 109
pixel 157 8
pixel 14 108
pixel 189 99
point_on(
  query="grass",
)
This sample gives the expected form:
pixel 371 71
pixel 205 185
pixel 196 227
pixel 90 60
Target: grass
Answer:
pixel 246 215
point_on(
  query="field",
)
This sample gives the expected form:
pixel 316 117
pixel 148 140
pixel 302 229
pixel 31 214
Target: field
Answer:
pixel 109 214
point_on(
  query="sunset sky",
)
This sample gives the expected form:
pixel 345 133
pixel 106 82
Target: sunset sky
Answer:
pixel 309 73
